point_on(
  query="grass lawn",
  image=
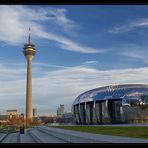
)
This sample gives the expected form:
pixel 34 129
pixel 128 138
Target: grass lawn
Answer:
pixel 128 131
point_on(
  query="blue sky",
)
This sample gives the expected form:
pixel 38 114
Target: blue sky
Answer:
pixel 79 47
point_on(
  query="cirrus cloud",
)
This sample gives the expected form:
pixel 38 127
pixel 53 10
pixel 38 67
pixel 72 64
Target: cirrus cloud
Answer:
pixel 15 21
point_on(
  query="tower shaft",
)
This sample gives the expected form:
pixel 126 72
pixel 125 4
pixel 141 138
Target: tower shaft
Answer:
pixel 29 89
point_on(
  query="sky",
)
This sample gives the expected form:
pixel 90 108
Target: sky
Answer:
pixel 78 48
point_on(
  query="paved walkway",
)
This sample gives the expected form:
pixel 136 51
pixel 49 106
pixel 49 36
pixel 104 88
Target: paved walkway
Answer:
pixel 101 138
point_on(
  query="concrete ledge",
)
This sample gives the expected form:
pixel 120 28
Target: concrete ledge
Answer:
pixel 36 138
pixel 3 137
pixel 71 138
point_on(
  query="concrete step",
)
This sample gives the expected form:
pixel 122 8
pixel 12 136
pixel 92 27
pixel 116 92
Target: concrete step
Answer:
pixel 35 137
pixel 84 137
pixel 43 137
pixel 27 138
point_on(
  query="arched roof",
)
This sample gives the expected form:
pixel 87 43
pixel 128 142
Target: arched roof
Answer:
pixel 125 92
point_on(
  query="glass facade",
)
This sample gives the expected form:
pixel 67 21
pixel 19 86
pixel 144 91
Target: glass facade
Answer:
pixel 98 112
pixel 82 113
pixel 125 103
pixel 105 113
pixel 101 111
pixel 89 112
pixel 94 114
pixel 116 111
pixel 77 114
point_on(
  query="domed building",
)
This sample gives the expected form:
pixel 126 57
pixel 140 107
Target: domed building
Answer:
pixel 112 104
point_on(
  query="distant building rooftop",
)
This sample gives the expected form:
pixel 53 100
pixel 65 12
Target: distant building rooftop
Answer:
pixel 12 110
pixel 3 117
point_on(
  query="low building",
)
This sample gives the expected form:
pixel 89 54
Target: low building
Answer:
pixel 12 113
pixel 34 112
pixel 3 120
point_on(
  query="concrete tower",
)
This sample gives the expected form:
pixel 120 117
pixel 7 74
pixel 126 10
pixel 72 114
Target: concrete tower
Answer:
pixel 29 52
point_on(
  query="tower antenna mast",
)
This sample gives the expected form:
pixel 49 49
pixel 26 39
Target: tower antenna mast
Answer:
pixel 29 37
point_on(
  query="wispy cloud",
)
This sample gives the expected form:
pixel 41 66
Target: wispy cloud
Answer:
pixel 90 62
pixel 15 20
pixel 136 53
pixel 67 44
pixel 59 16
pixel 138 23
pixel 58 86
